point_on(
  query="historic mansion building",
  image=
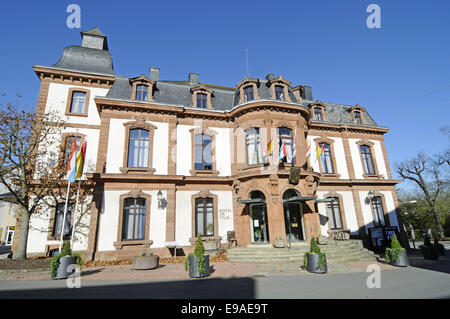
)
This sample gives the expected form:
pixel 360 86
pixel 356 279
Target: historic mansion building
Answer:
pixel 169 160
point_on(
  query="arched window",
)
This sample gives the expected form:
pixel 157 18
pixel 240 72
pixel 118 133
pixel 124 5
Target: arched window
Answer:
pixel 248 93
pixel 367 160
pixel 141 92
pixel 204 216
pixel 326 161
pixel 285 144
pixel 203 152
pixel 378 211
pixel 138 148
pixel 254 152
pixel 279 92
pixel 202 100
pixel 334 213
pixel 134 219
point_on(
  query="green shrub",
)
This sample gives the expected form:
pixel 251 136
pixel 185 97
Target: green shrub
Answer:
pixel 314 249
pixel 395 250
pixel 65 251
pixel 199 253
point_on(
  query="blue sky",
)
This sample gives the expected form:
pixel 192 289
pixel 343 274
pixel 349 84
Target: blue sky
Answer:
pixel 399 73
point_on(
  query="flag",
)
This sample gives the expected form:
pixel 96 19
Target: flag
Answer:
pixel 80 160
pixel 269 148
pixel 72 164
pixel 294 147
pixel 317 151
pixel 282 153
pixel 308 150
pixel 321 151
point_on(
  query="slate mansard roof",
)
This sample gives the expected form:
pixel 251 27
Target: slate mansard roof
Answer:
pixel 94 58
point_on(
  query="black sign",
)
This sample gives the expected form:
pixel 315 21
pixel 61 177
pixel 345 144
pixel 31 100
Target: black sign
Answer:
pixel 380 237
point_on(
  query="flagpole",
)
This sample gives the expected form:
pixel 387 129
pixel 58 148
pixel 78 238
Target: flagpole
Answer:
pixel 64 216
pixel 75 213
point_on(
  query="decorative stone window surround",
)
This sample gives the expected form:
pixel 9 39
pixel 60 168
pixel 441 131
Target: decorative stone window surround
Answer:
pixel 69 102
pixel 64 137
pixel 361 110
pixel 341 210
pixel 281 82
pixel 212 134
pixel 318 105
pixel 203 90
pixel 372 154
pixel 142 80
pixel 138 124
pixel 383 204
pixel 330 143
pixel 245 83
pixel 146 242
pixel 204 194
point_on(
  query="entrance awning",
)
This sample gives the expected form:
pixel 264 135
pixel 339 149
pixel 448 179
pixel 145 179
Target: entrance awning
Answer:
pixel 299 199
pixel 252 201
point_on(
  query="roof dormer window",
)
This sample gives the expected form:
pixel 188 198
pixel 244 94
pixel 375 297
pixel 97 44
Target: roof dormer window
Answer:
pixel 201 97
pixel 279 92
pixel 357 114
pixel 142 88
pixel 248 93
pixel 318 110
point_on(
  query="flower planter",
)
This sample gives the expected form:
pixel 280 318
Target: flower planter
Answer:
pixel 145 262
pixel 313 264
pixel 402 260
pixel 322 240
pixel 193 267
pixel 64 262
pixel 278 243
pixel 429 252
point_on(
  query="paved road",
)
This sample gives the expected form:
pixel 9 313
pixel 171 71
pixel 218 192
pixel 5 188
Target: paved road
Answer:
pixel 408 283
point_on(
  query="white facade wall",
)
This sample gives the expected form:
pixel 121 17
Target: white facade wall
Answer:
pixel 349 209
pixel 109 220
pixel 57 101
pixel 390 206
pixel 356 158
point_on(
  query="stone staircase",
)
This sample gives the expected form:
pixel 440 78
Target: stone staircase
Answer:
pixel 336 251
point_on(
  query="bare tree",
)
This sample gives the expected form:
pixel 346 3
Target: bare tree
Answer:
pixel 430 175
pixel 30 163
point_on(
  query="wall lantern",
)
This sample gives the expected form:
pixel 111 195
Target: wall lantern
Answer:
pixel 160 199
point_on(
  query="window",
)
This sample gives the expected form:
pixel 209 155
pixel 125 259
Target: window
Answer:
pixel 78 102
pixel 357 115
pixel 203 152
pixel 366 156
pixel 204 216
pixel 317 114
pixel 285 135
pixel 326 160
pixel 68 147
pixel 378 211
pixel 59 216
pixel 334 214
pixel 138 148
pixel 248 93
pixel 253 146
pixel 279 92
pixel 141 92
pixel 134 219
pixel 201 100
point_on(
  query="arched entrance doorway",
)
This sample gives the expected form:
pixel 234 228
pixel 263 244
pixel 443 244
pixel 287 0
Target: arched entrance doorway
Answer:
pixel 259 227
pixel 293 217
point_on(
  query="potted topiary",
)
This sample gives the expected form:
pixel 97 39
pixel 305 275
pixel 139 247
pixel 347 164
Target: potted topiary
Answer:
pixel 278 242
pixel 198 262
pixel 429 251
pixel 315 261
pixel 59 264
pixel 439 247
pixel 396 255
pixel 145 261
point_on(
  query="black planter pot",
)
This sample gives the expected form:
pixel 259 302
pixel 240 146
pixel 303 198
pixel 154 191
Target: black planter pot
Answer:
pixel 193 267
pixel 312 264
pixel 440 249
pixel 63 272
pixel 429 252
pixel 402 261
